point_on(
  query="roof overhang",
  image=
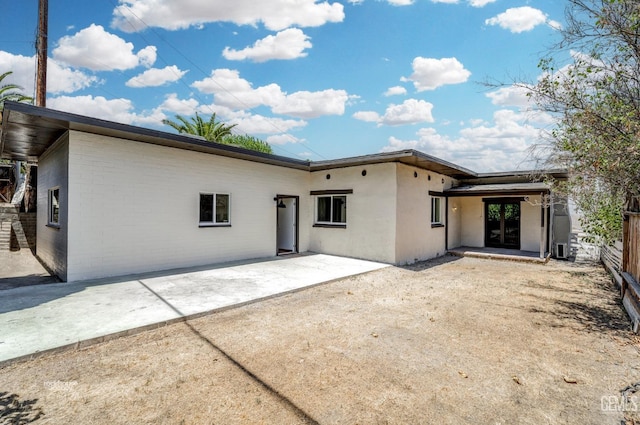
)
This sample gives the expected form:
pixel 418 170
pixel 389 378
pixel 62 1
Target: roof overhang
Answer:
pixel 28 131
pixel 408 157
pixel 506 189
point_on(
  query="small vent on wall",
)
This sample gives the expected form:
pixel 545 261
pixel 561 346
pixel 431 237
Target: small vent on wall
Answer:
pixel 561 250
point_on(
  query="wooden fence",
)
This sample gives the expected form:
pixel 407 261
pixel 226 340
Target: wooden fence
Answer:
pixel 630 267
pixel 611 257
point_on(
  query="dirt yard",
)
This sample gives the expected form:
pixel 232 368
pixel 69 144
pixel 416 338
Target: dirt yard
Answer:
pixel 452 341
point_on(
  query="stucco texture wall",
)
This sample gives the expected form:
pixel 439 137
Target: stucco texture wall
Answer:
pixel 370 231
pixel 135 207
pixel 416 239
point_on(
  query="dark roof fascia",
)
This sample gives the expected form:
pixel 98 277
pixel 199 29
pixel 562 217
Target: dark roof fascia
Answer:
pixel 518 176
pixel 69 121
pixel 409 157
pixel 518 192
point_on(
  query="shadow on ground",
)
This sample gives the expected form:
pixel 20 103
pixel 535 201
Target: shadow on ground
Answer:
pixel 14 411
pixel 426 265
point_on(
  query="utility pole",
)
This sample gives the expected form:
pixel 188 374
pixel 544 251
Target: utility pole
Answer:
pixel 41 48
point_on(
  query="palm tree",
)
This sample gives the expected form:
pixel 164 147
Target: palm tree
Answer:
pixel 8 92
pixel 217 132
pixel 211 130
pixel 247 142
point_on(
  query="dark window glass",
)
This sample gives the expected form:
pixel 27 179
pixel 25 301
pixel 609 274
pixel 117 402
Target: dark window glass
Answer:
pixel 222 208
pixel 324 208
pixel 54 206
pixel 206 208
pixel 339 209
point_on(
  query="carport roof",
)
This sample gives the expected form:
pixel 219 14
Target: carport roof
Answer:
pixel 498 189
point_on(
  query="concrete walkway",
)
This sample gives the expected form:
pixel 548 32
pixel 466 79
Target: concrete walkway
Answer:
pixel 59 316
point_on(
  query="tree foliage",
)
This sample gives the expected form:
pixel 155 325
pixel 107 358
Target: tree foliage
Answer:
pixel 217 132
pixel 596 98
pixel 211 130
pixel 247 142
pixel 11 92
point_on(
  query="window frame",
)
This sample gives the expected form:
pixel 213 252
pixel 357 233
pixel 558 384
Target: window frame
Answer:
pixel 214 222
pixel 436 211
pixel 50 207
pixel 331 223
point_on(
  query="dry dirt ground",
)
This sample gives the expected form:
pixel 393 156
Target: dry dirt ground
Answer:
pixel 451 341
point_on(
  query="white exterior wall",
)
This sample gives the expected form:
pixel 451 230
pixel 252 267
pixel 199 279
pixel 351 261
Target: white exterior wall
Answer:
pixel 134 207
pixel 371 213
pixel 471 210
pixel 416 240
pixel 455 223
pixel 472 219
pixel 530 225
pixel 51 242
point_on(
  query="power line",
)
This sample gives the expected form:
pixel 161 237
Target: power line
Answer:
pixel 203 72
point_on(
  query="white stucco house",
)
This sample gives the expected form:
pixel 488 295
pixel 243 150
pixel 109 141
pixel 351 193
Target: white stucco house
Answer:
pixel 115 199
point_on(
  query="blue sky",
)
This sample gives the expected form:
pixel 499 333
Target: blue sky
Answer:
pixel 317 79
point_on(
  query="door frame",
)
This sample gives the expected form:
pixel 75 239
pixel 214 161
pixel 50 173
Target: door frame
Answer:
pixel 502 202
pixel 296 202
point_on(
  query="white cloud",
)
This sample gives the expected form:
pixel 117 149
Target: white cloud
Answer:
pixel 237 93
pixel 367 116
pixel 396 90
pixel 554 24
pixel 155 77
pixel 119 110
pixel 411 111
pixel 480 3
pixel 511 96
pixel 287 44
pixel 400 2
pixel 184 107
pixel 60 79
pixel 518 19
pixel 305 104
pixel 282 139
pixel 276 15
pixel 430 73
pixel 147 56
pixel 259 124
pixel 233 92
pixel 502 146
pixel 98 50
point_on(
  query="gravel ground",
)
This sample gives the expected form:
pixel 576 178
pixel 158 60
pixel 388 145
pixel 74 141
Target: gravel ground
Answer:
pixel 450 341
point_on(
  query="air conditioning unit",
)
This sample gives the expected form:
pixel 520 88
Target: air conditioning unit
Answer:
pixel 562 250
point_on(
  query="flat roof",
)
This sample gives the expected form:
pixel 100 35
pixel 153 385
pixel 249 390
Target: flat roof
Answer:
pixel 497 189
pixel 28 131
pixel 409 157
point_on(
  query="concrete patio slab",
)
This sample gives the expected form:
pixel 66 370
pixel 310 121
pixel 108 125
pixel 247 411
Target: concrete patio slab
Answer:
pixel 37 319
pixel 500 254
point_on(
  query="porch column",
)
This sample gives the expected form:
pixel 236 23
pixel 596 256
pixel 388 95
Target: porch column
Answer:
pixel 543 225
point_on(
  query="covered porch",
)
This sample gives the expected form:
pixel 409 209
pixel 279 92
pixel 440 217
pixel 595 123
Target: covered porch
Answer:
pixel 505 254
pixel 509 221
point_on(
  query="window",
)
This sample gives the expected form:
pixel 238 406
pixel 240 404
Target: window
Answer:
pixel 54 207
pixel 214 209
pixel 436 210
pixel 331 210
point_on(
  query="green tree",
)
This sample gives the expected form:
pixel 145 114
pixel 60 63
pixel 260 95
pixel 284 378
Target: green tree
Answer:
pixel 11 92
pixel 596 99
pixel 212 130
pixel 217 132
pixel 247 142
